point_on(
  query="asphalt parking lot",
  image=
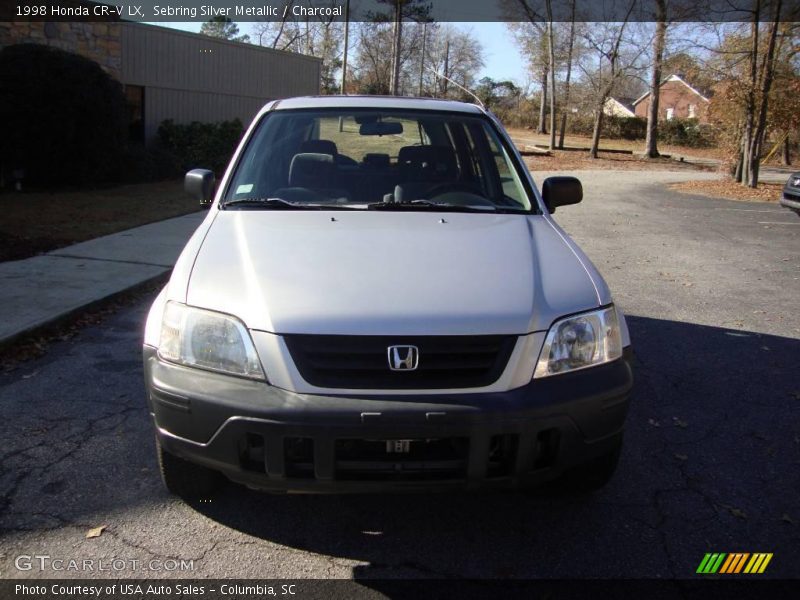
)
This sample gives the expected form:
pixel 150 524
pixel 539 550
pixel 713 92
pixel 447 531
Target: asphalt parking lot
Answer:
pixel 711 462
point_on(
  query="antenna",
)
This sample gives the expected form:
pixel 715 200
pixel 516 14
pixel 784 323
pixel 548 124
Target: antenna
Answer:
pixel 458 85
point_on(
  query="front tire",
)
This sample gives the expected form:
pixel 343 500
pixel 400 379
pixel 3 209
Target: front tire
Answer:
pixel 185 479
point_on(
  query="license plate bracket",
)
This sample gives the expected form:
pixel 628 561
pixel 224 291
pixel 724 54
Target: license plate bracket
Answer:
pixel 398 446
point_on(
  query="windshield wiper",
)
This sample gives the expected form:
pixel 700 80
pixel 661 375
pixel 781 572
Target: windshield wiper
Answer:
pixel 435 207
pixel 280 204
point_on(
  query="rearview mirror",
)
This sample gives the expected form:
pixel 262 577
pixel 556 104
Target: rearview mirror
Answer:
pixel 199 183
pixel 381 128
pixel 561 191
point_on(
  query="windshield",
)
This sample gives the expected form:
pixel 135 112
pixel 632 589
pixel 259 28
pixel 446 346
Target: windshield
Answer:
pixel 385 159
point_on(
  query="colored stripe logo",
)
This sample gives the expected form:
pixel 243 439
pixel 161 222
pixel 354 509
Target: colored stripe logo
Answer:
pixel 734 563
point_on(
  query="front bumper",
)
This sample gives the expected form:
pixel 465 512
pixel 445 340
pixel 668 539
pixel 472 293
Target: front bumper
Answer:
pixel 270 438
pixel 791 199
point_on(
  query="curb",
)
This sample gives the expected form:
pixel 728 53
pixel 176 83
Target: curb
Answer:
pixel 59 320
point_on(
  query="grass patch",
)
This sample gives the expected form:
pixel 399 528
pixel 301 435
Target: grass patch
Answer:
pixel 35 222
pixel 564 160
pixel 530 137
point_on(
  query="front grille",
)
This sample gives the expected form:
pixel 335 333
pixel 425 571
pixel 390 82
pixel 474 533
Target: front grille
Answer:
pixel 366 460
pixel 791 196
pixel 402 459
pixel 362 362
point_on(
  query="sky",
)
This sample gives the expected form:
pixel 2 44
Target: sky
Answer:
pixel 503 61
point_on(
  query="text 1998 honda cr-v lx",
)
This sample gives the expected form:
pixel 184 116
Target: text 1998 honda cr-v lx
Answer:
pixel 379 299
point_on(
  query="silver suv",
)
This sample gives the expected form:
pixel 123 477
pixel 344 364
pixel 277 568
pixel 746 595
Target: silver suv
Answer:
pixel 379 299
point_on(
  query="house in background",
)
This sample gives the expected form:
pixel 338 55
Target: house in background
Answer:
pixel 617 108
pixel 171 74
pixel 677 100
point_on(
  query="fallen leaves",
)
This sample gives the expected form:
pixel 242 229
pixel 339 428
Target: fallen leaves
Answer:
pixel 96 531
pixel 730 190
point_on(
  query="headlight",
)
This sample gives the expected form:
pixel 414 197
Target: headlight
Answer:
pixel 580 341
pixel 208 340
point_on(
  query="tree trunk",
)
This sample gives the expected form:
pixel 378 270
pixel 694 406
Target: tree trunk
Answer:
pixel 787 156
pixel 542 128
pixel 422 58
pixel 552 67
pixel 598 126
pixel 737 171
pixel 446 78
pixel 567 78
pixel 750 104
pixel 396 48
pixel 346 48
pixel 562 130
pixel 757 140
pixel 651 140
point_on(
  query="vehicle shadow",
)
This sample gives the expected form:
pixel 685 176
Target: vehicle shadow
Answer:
pixel 712 437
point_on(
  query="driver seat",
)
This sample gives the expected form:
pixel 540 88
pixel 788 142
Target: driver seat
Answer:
pixel 312 179
pixel 423 167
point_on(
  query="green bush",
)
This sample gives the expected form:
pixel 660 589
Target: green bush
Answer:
pixel 677 132
pixel 628 128
pixel 201 145
pixel 64 119
pixel 685 132
pixel 614 128
pixel 580 124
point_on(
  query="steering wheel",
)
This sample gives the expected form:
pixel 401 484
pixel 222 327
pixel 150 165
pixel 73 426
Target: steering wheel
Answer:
pixel 451 186
pixel 455 187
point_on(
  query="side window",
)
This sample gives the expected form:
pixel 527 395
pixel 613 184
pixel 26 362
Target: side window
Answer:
pixel 509 178
pixel 479 167
pixel 493 166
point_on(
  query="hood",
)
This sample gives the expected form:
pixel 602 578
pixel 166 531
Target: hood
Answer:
pixel 388 273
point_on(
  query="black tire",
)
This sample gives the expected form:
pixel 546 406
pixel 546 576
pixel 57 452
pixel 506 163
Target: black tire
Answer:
pixel 185 479
pixel 594 474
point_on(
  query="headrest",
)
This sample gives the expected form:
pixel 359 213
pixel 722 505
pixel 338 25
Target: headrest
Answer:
pixel 311 170
pixel 427 162
pixel 375 159
pixel 319 147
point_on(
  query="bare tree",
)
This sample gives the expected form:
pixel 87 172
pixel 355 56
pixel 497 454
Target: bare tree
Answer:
pixel 607 66
pixel 457 55
pixel 756 141
pixel 415 10
pixel 531 35
pixel 372 64
pixel 659 41
pixel 551 55
pixel 568 76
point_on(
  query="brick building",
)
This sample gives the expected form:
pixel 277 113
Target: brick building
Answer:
pixel 677 100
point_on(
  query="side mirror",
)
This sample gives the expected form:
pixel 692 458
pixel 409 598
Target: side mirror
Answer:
pixel 561 191
pixel 199 183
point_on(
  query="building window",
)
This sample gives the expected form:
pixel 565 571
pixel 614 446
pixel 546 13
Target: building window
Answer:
pixel 135 97
pixel 670 113
pixel 691 111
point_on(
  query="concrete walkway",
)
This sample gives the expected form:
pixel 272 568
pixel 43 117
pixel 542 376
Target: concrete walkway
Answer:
pixel 41 290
